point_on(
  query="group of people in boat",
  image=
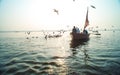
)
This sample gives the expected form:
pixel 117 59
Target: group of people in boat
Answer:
pixel 77 30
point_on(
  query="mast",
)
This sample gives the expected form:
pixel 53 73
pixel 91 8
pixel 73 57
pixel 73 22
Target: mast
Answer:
pixel 86 20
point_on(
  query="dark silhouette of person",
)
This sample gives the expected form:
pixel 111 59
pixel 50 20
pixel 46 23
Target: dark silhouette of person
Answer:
pixel 85 31
pixel 74 30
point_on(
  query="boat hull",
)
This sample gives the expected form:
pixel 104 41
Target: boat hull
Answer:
pixel 80 36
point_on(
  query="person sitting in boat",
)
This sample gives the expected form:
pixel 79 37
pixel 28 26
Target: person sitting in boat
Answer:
pixel 74 30
pixel 77 30
pixel 85 31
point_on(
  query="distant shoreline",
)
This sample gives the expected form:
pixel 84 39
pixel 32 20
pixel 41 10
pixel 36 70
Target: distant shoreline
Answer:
pixel 58 30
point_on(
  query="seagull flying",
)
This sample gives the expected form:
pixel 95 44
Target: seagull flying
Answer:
pixel 93 6
pixel 56 11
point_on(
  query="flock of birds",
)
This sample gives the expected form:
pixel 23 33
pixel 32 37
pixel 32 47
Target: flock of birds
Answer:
pixel 46 35
pixel 53 35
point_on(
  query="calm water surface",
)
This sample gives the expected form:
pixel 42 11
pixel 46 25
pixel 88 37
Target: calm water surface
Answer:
pixel 59 56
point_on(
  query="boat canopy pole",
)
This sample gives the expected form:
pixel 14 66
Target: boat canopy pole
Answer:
pixel 86 20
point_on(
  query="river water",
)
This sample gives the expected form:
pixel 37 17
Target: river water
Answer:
pixel 23 54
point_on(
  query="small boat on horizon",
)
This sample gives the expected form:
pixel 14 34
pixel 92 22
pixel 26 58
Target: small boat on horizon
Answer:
pixel 96 32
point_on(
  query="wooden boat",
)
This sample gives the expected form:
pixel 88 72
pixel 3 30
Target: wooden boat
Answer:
pixel 83 36
pixel 80 36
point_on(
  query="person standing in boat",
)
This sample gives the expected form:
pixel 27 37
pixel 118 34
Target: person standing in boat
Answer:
pixel 74 29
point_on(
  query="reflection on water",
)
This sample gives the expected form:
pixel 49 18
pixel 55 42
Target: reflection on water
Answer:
pixel 80 45
pixel 86 56
pixel 75 43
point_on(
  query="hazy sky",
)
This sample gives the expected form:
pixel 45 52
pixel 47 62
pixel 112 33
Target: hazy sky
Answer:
pixel 39 14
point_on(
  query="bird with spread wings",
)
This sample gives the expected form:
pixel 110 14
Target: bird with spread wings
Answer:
pixel 56 11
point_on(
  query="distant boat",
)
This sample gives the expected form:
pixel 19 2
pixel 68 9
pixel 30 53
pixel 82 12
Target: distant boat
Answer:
pixel 83 35
pixel 54 36
pixel 96 32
